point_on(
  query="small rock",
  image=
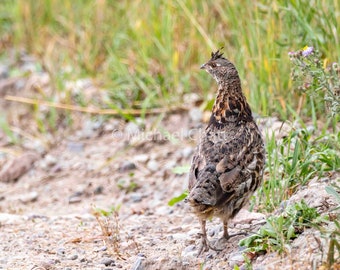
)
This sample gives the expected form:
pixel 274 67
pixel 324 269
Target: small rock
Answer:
pixel 214 231
pixel 75 147
pixel 153 165
pixel 188 219
pixel 89 129
pixel 75 198
pixel 136 197
pixel 170 164
pixel 50 160
pixel 4 71
pixel 138 265
pixel 127 166
pixel 98 190
pixel 61 252
pixel 189 251
pixel 235 259
pixel 131 129
pixel 108 262
pixel 30 197
pixel 73 257
pixel 187 152
pixel 141 158
pixel 244 216
pixel 47 265
pixel 195 115
pixel 103 248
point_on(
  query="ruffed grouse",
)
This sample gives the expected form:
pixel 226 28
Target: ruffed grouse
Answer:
pixel 228 162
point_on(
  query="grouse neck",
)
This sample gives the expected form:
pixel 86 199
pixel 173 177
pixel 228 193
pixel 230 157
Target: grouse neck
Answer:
pixel 230 105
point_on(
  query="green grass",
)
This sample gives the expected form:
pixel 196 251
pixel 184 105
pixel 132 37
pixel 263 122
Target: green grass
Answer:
pixel 146 54
pixel 293 161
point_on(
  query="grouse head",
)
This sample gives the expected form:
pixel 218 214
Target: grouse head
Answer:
pixel 220 68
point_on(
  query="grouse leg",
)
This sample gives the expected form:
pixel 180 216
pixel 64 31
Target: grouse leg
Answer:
pixel 204 245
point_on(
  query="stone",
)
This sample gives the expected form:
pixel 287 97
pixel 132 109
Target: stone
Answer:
pixel 29 197
pixel 127 166
pixel 152 165
pixel 107 261
pixel 195 115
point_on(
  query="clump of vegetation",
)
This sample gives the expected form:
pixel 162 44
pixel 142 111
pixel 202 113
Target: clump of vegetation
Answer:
pixel 332 233
pixel 109 224
pixel 277 233
pixel 315 80
pixel 293 161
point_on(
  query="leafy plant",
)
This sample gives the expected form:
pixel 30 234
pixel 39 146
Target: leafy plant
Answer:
pixel 127 185
pixel 316 81
pixel 332 235
pixel 278 231
pixel 178 199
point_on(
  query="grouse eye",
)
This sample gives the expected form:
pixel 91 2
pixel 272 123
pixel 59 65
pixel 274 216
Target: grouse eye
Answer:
pixel 213 65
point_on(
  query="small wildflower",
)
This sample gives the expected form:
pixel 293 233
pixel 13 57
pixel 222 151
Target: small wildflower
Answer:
pixel 307 51
pixel 306 85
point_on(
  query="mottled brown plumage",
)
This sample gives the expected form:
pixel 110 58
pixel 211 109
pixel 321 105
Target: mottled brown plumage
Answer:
pixel 228 163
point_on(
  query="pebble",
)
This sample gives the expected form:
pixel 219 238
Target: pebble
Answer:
pixel 4 71
pixel 50 160
pixel 141 158
pixel 74 199
pixel 190 251
pixel 152 165
pixel 127 166
pixel 136 197
pixel 235 259
pixel 98 190
pixel 107 262
pixel 187 152
pixel 138 265
pixel 195 115
pixel 30 197
pixel 73 257
pixel 246 217
pixel 75 147
pixel 131 129
pixel 103 248
pixel 188 219
pixel 89 129
pixel 214 231
pixel 61 252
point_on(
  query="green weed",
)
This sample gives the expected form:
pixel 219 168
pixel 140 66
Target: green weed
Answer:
pixel 293 161
pixel 332 232
pixel 5 127
pixel 277 233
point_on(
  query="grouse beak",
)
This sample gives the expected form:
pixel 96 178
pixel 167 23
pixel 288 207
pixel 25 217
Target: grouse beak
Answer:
pixel 203 66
